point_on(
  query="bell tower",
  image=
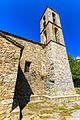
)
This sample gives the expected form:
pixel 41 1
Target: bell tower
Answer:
pixel 58 75
pixel 50 27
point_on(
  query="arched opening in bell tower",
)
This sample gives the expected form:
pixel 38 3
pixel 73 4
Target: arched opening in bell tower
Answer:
pixel 45 36
pixel 57 35
pixel 44 23
pixel 53 17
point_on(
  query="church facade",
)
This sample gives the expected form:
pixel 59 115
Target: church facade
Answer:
pixel 31 68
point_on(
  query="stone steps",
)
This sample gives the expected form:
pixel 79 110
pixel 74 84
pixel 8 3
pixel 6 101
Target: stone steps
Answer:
pixel 38 110
pixel 42 110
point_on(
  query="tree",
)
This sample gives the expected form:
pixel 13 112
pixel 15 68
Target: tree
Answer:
pixel 75 69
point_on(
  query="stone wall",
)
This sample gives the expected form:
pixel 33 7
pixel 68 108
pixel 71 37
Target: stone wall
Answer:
pixel 17 85
pixel 50 27
pixel 9 60
pixel 49 74
pixel 48 16
pixel 59 79
pixel 33 52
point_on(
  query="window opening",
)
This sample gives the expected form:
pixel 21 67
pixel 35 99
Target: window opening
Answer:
pixel 57 35
pixel 44 23
pixel 52 81
pixel 45 34
pixel 27 66
pixel 53 16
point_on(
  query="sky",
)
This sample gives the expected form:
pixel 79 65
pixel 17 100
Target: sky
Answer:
pixel 22 18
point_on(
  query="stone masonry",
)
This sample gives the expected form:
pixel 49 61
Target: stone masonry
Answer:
pixel 31 68
pixel 58 75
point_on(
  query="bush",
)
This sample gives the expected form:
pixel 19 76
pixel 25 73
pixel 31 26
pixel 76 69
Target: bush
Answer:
pixel 75 69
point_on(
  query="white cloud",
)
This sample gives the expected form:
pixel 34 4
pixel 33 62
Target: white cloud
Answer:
pixel 78 57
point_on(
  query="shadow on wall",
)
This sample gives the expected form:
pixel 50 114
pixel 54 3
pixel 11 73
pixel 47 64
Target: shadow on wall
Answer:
pixel 22 92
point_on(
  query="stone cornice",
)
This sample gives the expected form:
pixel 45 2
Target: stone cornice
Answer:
pixel 51 23
pixel 55 42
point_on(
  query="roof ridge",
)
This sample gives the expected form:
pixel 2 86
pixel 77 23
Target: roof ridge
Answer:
pixel 7 33
pixel 11 40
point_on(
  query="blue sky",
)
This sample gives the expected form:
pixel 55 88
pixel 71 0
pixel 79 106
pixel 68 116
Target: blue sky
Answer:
pixel 22 17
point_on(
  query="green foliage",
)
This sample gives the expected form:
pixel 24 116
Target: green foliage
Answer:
pixel 78 91
pixel 77 107
pixel 46 112
pixel 75 69
pixel 62 108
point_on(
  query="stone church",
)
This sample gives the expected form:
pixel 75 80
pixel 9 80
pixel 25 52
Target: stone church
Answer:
pixel 31 68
